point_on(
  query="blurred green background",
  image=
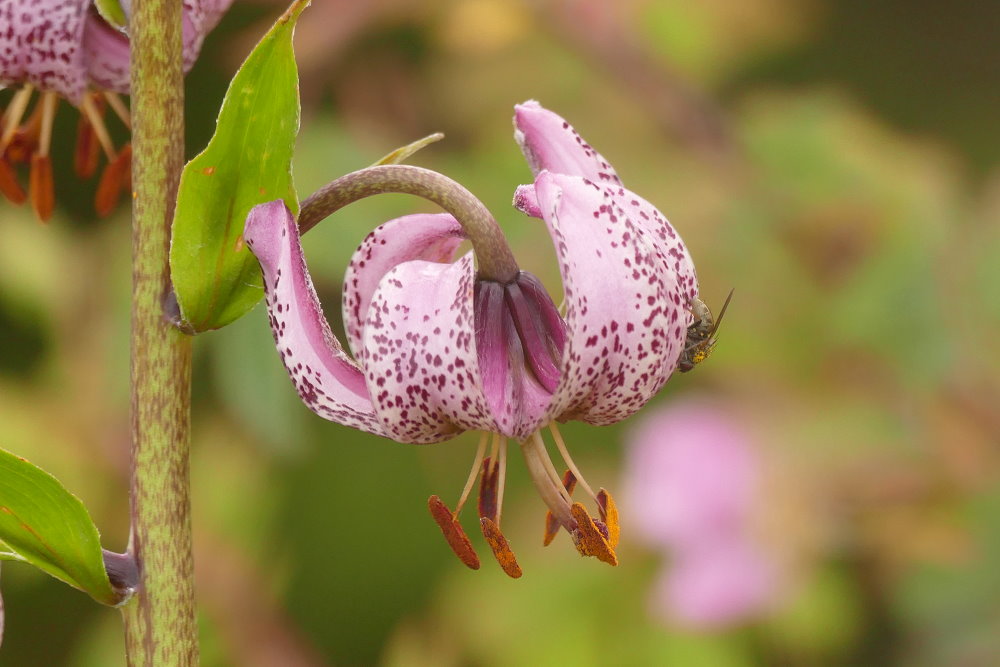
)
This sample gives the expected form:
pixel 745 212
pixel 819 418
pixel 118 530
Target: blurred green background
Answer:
pixel 837 162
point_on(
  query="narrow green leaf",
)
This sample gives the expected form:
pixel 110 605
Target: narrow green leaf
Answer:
pixel 112 12
pixel 44 524
pixel 247 162
pixel 403 152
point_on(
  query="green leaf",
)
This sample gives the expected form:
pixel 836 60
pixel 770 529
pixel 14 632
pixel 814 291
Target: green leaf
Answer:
pixel 44 524
pixel 247 162
pixel 112 12
pixel 403 152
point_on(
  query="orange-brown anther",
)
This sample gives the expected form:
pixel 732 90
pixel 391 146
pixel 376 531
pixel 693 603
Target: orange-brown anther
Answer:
pixel 88 149
pixel 551 522
pixel 25 139
pixel 588 538
pixel 501 548
pixel 609 514
pixel 453 533
pixel 489 489
pixel 116 178
pixel 9 186
pixel 41 189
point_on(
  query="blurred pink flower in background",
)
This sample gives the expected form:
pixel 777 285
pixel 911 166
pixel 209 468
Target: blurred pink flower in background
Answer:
pixel 691 490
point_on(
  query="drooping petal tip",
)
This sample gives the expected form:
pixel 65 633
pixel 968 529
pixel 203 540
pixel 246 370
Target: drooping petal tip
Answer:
pixel 550 143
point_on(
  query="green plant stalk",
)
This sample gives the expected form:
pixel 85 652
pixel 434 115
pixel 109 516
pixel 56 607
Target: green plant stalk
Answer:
pixel 160 623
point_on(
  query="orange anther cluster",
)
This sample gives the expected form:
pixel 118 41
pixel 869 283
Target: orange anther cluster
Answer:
pixel 30 143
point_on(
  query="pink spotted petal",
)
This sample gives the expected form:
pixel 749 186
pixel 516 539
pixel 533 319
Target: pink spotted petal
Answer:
pixel 432 237
pixel 40 44
pixel 550 143
pixel 669 247
pixel 107 55
pixel 420 352
pixel 329 383
pixel 107 50
pixel 625 316
pixel 200 17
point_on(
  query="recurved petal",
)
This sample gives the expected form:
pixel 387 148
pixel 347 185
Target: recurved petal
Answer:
pixel 550 143
pixel 107 55
pixel 431 237
pixel 200 17
pixel 625 314
pixel 329 383
pixel 419 354
pixel 40 44
pixel 106 49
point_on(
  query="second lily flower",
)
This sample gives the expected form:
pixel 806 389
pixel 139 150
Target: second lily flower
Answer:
pixel 440 347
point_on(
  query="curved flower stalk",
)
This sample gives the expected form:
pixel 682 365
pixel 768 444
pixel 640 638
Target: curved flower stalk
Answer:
pixel 66 49
pixel 691 485
pixel 440 347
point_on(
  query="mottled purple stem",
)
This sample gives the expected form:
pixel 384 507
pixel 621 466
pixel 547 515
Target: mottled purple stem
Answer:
pixel 496 262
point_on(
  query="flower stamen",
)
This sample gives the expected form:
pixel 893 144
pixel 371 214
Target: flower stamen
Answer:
pixel 94 112
pixel 491 506
pixel 564 452
pixel 501 548
pixel 609 514
pixel 453 532
pixel 551 523
pixel 474 473
pixel 118 106
pixel 550 489
pixel 15 111
pixel 590 540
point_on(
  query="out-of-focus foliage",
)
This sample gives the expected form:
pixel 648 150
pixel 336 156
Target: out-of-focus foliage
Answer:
pixel 840 172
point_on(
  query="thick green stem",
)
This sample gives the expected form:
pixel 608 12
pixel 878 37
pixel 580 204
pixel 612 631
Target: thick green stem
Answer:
pixel 160 626
pixel 496 262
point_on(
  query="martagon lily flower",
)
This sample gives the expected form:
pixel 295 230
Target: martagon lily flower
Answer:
pixel 441 346
pixel 67 49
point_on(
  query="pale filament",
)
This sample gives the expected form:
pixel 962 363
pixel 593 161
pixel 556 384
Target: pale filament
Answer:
pixel 15 111
pixel 116 104
pixel 89 110
pixel 502 462
pixel 561 445
pixel 553 494
pixel 553 473
pixel 480 451
pixel 48 103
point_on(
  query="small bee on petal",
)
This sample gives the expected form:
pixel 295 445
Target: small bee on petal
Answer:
pixel 701 338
